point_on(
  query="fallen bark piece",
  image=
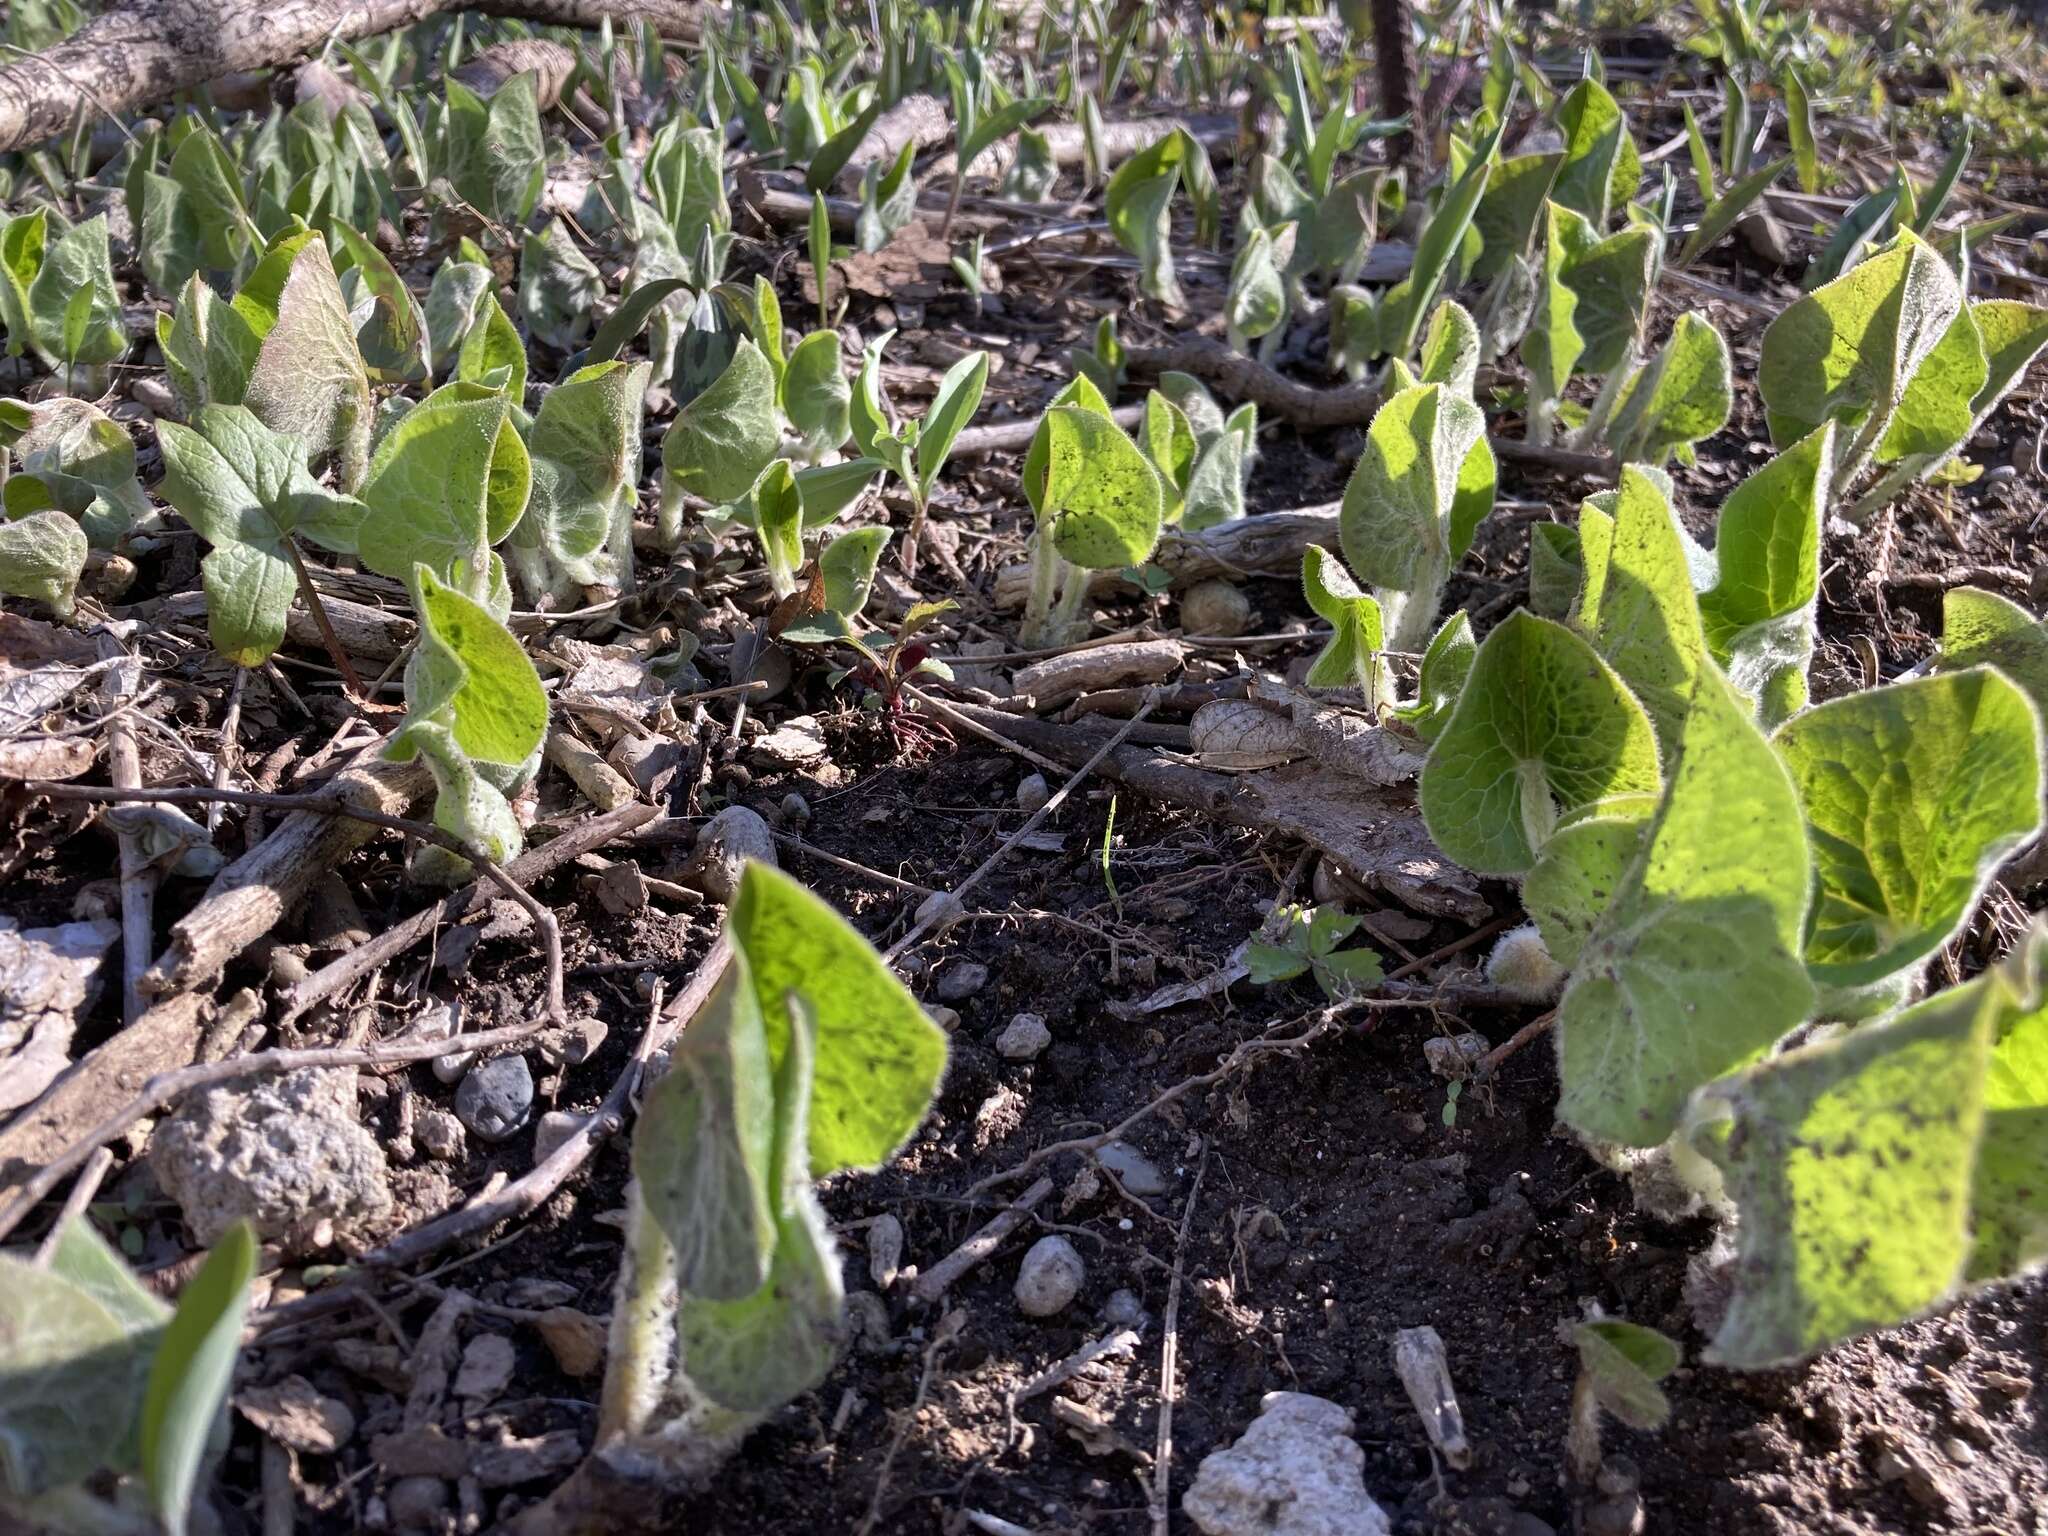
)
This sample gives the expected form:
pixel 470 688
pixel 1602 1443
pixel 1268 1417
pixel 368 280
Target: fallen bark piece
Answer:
pixel 1424 1370
pixel 601 784
pixel 297 1415
pixel 365 632
pixel 251 896
pixel 1295 1472
pixel 1059 679
pixel 1271 541
pixel 48 757
pixel 162 1040
pixel 48 977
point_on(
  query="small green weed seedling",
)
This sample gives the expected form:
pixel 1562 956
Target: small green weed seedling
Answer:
pixel 1305 943
pixel 1620 1365
pixel 915 450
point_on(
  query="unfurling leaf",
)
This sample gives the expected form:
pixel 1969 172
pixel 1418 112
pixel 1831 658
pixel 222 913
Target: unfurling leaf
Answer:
pixel 1542 731
pixel 1693 969
pixel 1352 658
pixel 191 1373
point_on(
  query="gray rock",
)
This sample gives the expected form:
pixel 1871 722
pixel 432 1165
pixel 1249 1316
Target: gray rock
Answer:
pixel 962 980
pixel 417 1503
pixel 1124 1310
pixel 555 1127
pixel 486 1370
pixel 1454 1055
pixel 1024 1038
pixel 440 1134
pixel 496 1097
pixel 287 1153
pixel 735 835
pixel 1050 1277
pixel 796 810
pixel 1133 1169
pixel 1033 792
pixel 1295 1472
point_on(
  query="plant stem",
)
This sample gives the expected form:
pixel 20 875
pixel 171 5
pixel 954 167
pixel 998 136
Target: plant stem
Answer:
pixel 669 519
pixel 1895 480
pixel 1045 564
pixel 1604 404
pixel 328 637
pixel 1073 596
pixel 910 536
pixel 639 1352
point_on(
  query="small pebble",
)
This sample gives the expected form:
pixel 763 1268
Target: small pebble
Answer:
pixel 555 1127
pixel 1050 1277
pixel 946 1018
pixel 885 1251
pixel 1215 607
pixel 961 981
pixel 1133 1169
pixel 1024 1038
pixel 735 835
pixel 496 1097
pixel 1454 1055
pixel 439 1134
pixel 1123 1309
pixel 486 1369
pixel 796 810
pixel 1033 792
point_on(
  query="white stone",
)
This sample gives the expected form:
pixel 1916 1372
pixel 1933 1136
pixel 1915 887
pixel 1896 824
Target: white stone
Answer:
pixel 963 978
pixel 1049 1277
pixel 440 1134
pixel 885 1250
pixel 1133 1169
pixel 1216 608
pixel 554 1128
pixel 1024 1038
pixel 1295 1472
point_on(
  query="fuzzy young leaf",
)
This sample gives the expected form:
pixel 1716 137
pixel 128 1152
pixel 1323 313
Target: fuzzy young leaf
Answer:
pixel 878 1057
pixel 1680 396
pixel 1137 204
pixel 1556 567
pixel 779 521
pixel 1441 677
pixel 1552 345
pixel 1423 484
pixel 1848 350
pixel 559 288
pixel 82 461
pixel 430 492
pixel 1511 212
pixel 1601 169
pixel 75 306
pixel 472 673
pixel 1693 970
pixel 1851 1162
pixel 1611 280
pixel 814 394
pixel 1215 489
pixel 847 565
pixel 390 327
pixel 1351 658
pixel 1097 489
pixel 453 299
pixel 467 805
pixel 585 447
pixel 492 354
pixel 1758 616
pixel 1980 628
pixel 1450 349
pixel 1724 211
pixel 308 380
pixel 1624 1362
pixel 1442 238
pixel 41 556
pixel 1637 605
pixel 498 158
pixel 1543 729
pixel 722 440
pixel 1915 793
pixel 703 1150
pixel 1256 302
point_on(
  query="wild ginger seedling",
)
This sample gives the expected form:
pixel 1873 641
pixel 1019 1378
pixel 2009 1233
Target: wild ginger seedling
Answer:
pixel 1097 504
pixel 809 1057
pixel 58 299
pixel 1620 1365
pixel 68 456
pixel 110 1401
pixel 1421 487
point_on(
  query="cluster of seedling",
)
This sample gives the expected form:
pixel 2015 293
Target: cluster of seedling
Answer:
pixel 1710 865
